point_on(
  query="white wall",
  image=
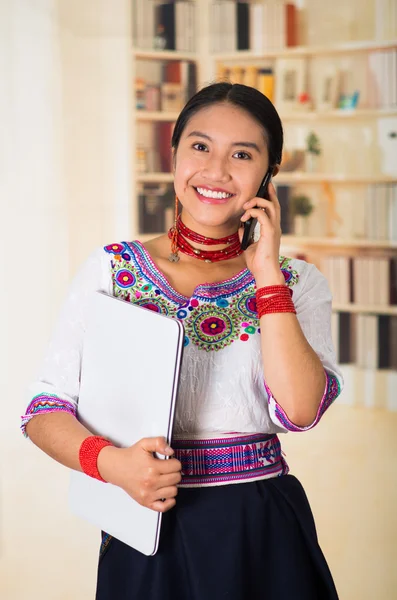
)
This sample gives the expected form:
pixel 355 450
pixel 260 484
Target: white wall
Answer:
pixel 65 164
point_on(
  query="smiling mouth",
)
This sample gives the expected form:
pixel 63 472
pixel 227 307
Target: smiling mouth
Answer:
pixel 212 194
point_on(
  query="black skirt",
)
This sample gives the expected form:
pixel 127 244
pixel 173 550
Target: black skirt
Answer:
pixel 243 541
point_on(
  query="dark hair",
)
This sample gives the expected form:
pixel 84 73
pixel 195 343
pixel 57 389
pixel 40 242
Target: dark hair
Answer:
pixel 245 97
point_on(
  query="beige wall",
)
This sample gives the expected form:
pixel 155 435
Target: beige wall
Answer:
pixel 347 466
pixel 64 188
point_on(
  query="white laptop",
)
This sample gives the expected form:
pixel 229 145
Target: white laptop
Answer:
pixel 129 381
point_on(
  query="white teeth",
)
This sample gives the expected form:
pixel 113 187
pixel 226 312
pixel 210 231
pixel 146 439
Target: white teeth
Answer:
pixel 210 194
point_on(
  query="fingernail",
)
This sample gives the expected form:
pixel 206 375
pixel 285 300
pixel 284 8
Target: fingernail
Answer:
pixel 168 450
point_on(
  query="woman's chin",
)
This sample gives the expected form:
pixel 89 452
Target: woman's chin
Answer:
pixel 211 219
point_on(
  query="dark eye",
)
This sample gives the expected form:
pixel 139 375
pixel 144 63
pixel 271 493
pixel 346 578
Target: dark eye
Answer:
pixel 242 155
pixel 200 147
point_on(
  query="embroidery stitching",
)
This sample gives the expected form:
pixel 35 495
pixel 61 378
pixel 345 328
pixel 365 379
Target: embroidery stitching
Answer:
pixel 209 462
pixel 46 403
pixel 215 317
pixel 332 391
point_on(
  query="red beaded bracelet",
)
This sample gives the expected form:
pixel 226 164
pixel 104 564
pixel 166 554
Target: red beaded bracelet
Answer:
pixel 274 299
pixel 88 455
pixel 273 289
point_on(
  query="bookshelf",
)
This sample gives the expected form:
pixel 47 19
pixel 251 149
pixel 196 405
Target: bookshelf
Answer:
pixel 155 115
pixel 164 79
pixel 291 178
pixel 141 54
pixel 364 308
pixel 147 115
pixel 310 51
pixel 155 178
pixel 354 114
pixel 302 177
pixel 358 186
pixel 332 242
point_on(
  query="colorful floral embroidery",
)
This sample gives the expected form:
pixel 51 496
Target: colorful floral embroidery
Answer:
pixel 332 391
pixel 125 278
pixel 246 305
pixel 46 403
pixel 217 314
pixel 211 328
pixel 291 276
pixel 115 248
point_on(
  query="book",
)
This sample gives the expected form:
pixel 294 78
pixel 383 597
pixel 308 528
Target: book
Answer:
pixel 151 211
pixel 393 281
pixel 393 342
pixel 265 83
pixel 164 135
pixel 250 76
pixel 172 97
pixel 291 25
pixel 228 26
pixel 165 16
pixel 384 342
pixel 256 27
pixel 345 338
pixel 243 22
pixel 181 19
pixel 152 97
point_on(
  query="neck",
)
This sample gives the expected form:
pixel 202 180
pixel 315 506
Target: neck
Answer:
pixel 215 232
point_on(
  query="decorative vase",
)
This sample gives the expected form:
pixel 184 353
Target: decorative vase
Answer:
pixel 311 162
pixel 301 225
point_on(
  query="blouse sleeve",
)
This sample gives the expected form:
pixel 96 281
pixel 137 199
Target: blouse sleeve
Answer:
pixel 313 309
pixel 56 387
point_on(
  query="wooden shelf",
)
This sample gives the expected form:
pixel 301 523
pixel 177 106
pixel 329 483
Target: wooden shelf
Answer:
pixel 154 177
pixel 313 115
pixel 302 177
pixel 158 115
pixel 163 55
pixel 146 115
pixel 298 51
pixel 365 308
pixel 290 178
pixel 292 240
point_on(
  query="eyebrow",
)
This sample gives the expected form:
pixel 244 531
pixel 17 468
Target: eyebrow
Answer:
pixel 243 144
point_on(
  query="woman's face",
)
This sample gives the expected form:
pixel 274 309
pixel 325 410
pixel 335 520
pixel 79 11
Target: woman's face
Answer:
pixel 221 160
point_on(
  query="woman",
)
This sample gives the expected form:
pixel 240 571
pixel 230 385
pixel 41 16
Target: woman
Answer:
pixel 258 361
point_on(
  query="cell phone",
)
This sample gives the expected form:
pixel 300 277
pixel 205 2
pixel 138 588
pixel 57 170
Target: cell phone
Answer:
pixel 250 224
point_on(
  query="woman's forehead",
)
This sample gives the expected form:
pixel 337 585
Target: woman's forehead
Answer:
pixel 226 120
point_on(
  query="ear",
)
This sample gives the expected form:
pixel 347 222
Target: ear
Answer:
pixel 276 169
pixel 173 160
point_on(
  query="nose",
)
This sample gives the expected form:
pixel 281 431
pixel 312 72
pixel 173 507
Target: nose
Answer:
pixel 216 169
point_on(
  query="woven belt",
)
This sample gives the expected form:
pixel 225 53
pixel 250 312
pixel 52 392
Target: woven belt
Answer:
pixel 222 461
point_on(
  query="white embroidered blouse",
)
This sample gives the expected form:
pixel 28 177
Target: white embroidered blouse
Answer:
pixel 222 388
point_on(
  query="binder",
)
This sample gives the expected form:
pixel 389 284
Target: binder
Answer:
pixel 129 381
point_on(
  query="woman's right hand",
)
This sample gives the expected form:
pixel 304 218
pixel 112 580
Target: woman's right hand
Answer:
pixel 151 481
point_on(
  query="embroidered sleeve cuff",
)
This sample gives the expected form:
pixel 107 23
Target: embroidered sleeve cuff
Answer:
pixel 46 403
pixel 279 417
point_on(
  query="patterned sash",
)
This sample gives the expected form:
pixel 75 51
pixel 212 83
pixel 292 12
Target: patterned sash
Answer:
pixel 221 461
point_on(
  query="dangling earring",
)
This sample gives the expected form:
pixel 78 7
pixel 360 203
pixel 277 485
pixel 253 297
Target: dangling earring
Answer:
pixel 173 235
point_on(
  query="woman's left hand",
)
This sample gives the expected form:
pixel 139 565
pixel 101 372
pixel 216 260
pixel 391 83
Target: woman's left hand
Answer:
pixel 262 256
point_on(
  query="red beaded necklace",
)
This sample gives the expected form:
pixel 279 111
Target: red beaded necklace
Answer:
pixel 180 233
